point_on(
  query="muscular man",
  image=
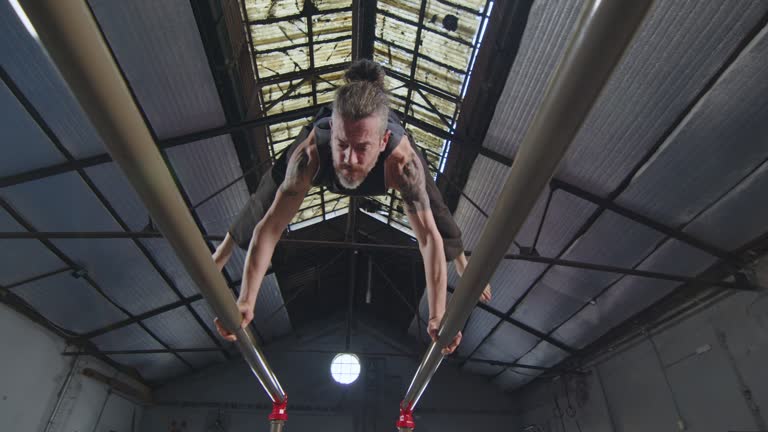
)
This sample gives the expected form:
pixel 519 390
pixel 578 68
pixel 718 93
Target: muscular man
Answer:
pixel 357 148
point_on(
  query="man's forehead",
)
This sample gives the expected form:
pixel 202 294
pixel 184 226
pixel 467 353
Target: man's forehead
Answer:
pixel 356 129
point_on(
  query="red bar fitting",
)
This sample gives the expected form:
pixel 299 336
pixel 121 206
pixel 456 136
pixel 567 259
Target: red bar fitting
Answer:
pixel 279 411
pixel 406 417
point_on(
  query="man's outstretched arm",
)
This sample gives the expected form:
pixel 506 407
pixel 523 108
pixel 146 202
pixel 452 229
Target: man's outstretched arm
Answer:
pixel 290 195
pixel 411 183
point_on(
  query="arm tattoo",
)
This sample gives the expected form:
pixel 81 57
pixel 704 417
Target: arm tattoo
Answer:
pixel 297 169
pixel 413 187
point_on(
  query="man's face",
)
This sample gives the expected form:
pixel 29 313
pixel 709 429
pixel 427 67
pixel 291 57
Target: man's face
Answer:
pixel 355 145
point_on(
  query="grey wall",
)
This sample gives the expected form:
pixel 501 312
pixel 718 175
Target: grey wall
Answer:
pixel 32 373
pixel 453 402
pixel 723 387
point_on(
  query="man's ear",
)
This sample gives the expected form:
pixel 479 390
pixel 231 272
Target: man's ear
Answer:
pixel 384 140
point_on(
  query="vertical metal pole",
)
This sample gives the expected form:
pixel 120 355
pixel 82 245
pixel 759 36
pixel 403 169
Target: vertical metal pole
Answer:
pixel 604 30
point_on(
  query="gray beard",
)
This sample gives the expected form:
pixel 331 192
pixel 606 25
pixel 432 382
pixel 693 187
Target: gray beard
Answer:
pixel 348 184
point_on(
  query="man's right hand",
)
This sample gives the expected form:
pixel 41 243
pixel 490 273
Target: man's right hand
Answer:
pixel 246 310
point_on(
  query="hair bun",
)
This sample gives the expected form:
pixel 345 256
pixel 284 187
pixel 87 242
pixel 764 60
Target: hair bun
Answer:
pixel 365 70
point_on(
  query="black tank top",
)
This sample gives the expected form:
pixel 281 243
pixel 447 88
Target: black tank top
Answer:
pixel 374 183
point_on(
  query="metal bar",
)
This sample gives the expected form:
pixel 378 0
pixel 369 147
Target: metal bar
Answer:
pixel 301 45
pixel 415 53
pixel 349 237
pixel 427 88
pixel 287 93
pixel 643 220
pixel 37 278
pixel 291 76
pixel 72 39
pixel 434 110
pixel 628 271
pixel 603 32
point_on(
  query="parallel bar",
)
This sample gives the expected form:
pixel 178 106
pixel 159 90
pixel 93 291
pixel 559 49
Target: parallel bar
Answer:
pixel 68 32
pixel 602 34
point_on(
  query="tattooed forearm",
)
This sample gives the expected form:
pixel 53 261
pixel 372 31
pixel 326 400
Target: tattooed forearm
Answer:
pixel 295 174
pixel 413 186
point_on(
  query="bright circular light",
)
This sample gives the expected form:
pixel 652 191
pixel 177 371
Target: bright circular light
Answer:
pixel 345 368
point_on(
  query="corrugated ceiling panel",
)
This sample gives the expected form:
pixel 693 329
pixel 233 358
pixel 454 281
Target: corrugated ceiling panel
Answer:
pixel 438 76
pixel 111 182
pixel 31 70
pixel 60 203
pixel 281 34
pixel 482 368
pixel 131 337
pixel 153 367
pixel 510 280
pixel 508 343
pixel 324 5
pixel 31 148
pixel 479 324
pixel 263 9
pixel 64 300
pixel 406 9
pixel 205 313
pixel 545 354
pixel 331 26
pixel 218 214
pixel 121 270
pixel 514 378
pixel 165 256
pixel 179 329
pixel 543 43
pixel 22 259
pixel 467 22
pixel 483 188
pixel 282 62
pixel 722 140
pixel 565 216
pixel 203 167
pixel 202 359
pixel 632 294
pixel 739 217
pixel 612 240
pixel 236 262
pixel 678 49
pixel 158 46
pixel 271 324
pixel 400 33
pixel 645 95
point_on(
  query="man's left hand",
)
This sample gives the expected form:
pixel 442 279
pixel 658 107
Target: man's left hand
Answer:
pixel 434 327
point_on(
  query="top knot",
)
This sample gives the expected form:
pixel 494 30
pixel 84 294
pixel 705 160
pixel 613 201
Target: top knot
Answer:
pixel 365 70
